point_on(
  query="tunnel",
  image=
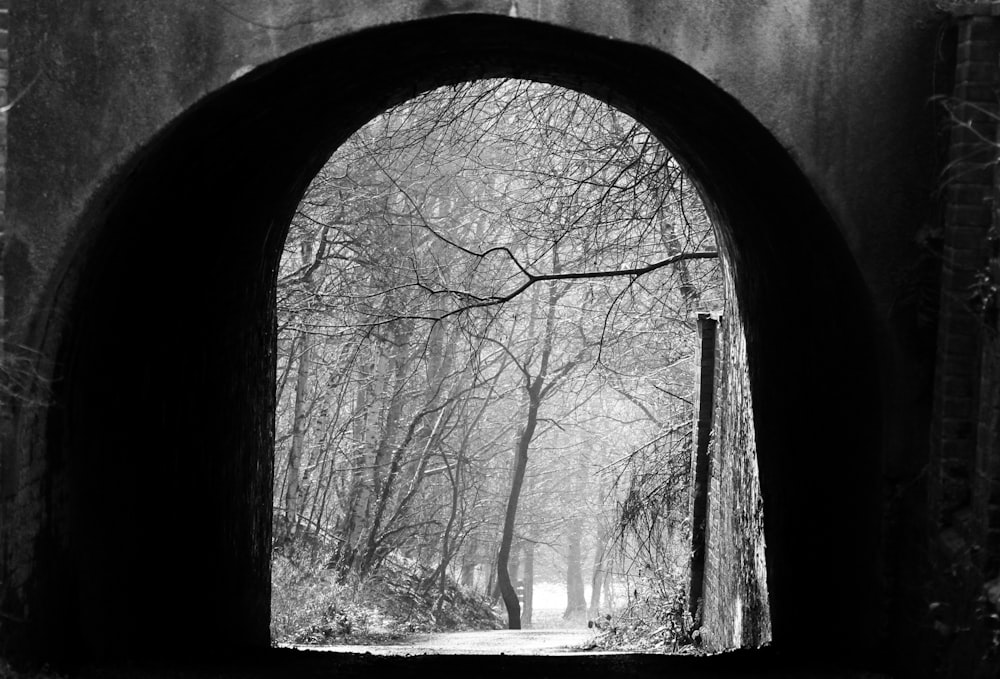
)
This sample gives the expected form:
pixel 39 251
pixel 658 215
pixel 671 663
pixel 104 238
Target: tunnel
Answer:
pixel 160 432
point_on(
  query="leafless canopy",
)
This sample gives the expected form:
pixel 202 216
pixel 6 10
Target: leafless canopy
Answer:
pixel 490 267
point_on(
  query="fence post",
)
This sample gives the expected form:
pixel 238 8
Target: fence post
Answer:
pixel 707 328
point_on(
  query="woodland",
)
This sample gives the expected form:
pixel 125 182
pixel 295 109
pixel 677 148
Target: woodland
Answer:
pixel 487 311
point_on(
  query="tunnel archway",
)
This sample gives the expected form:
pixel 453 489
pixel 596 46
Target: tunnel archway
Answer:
pixel 163 406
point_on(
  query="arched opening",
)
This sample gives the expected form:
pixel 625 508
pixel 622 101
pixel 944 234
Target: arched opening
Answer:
pixel 488 335
pixel 162 433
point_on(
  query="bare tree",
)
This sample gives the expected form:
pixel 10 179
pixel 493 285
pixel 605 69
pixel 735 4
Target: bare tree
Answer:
pixel 456 266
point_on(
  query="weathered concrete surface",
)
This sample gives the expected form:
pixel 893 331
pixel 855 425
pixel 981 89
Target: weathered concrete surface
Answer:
pixel 843 86
pixel 148 192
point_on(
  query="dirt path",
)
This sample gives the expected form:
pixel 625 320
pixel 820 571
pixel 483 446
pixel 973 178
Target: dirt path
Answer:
pixel 493 642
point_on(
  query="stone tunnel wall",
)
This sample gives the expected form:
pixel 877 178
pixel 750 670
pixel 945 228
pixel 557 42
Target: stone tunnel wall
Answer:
pixel 841 86
pixel 735 609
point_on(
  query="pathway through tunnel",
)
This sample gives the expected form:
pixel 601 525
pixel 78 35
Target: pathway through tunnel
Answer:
pixel 488 378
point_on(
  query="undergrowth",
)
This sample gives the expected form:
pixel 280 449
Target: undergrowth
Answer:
pixel 656 621
pixel 309 605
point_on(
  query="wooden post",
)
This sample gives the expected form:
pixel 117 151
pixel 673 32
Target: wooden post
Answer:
pixel 707 327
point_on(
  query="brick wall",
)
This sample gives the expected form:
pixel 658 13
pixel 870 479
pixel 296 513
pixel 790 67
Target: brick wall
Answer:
pixel 735 609
pixel 963 488
pixel 982 44
pixel 968 217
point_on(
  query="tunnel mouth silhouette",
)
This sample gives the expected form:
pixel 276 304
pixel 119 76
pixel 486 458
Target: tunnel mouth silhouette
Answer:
pixel 162 423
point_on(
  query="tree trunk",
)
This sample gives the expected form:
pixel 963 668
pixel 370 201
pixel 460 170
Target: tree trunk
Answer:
pixel 468 576
pixel 470 552
pixel 356 507
pixel 492 588
pixel 536 390
pixel 576 599
pixel 609 590
pixel 597 577
pixel 529 582
pixel 514 569
pixel 447 547
pixel 293 469
pixel 510 516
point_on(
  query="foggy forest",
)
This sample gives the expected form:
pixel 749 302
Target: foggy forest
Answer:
pixel 487 368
